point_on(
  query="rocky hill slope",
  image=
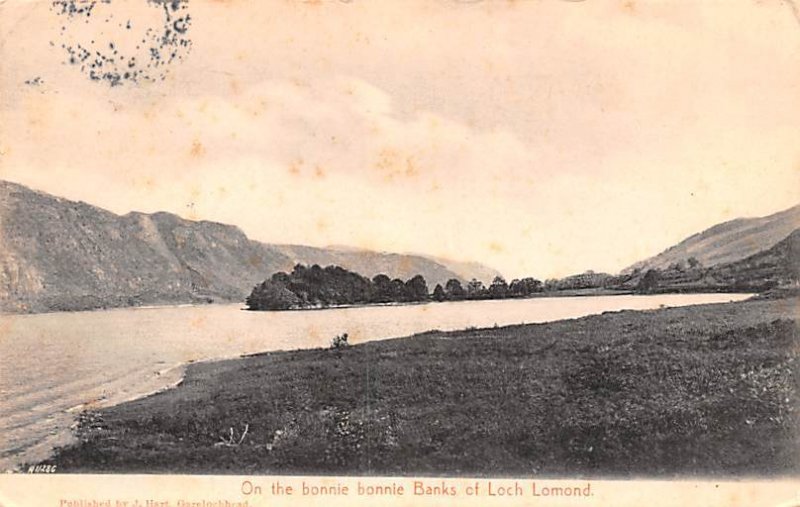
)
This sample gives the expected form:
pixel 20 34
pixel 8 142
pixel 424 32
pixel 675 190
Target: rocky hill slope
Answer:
pixel 727 242
pixel 57 254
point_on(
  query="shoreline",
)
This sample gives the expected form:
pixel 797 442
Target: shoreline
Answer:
pixel 205 377
pixel 567 293
pixel 44 449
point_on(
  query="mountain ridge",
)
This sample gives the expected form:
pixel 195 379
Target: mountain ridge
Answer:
pixel 726 242
pixel 58 254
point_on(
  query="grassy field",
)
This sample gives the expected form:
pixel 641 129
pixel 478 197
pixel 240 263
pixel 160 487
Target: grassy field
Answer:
pixel 706 390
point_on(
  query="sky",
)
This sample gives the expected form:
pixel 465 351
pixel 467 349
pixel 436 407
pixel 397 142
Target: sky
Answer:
pixel 540 137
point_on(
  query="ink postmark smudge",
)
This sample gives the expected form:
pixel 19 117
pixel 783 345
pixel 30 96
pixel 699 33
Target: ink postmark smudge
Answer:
pixel 123 42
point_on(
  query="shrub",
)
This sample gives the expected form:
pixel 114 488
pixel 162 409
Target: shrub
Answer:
pixel 339 341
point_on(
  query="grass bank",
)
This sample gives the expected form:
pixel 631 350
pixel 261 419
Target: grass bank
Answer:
pixel 704 390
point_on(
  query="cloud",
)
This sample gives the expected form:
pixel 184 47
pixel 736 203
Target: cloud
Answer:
pixel 546 138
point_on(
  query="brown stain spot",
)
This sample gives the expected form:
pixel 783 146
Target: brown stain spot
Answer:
pixel 38 113
pixel 198 323
pixel 496 247
pixel 296 167
pixel 299 83
pixel 197 150
pixel 255 261
pixel 394 164
pixel 361 37
pixel 5 327
pixel 236 88
pixel 554 250
pixel 322 225
pixel 258 107
pixel 194 196
pixel 366 244
pixel 319 172
pixel 314 334
pixel 151 111
pixel 147 183
pixel 629 6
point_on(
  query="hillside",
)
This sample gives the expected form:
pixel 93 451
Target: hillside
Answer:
pixel 777 266
pixel 469 270
pixel 62 255
pixel 58 254
pixel 727 242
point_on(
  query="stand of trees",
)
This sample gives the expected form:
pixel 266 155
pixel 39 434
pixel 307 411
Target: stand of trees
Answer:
pixel 318 287
pixel 498 289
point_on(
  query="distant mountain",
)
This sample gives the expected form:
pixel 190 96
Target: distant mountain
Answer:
pixel 57 254
pixel 727 242
pixel 463 270
pixel 469 270
pixel 63 255
pixel 369 263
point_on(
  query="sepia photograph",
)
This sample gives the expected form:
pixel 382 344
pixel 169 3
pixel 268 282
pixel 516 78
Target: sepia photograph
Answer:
pixel 461 252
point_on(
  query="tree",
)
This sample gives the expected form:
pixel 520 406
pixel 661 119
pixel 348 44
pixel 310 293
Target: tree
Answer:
pixel 282 278
pixel 499 288
pixel 454 290
pixel 398 291
pixel 417 288
pixel 381 289
pixel 649 282
pixel 270 295
pixel 532 285
pixel 475 289
pixel 525 287
pixel 693 263
pixel 438 293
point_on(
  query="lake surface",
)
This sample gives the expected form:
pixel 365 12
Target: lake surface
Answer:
pixel 54 365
